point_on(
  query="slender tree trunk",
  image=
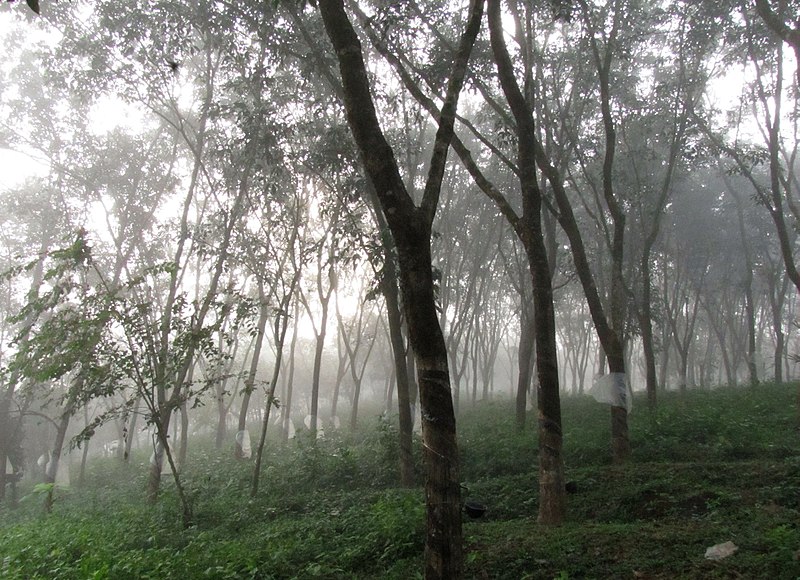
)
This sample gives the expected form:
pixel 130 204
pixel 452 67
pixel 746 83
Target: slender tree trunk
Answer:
pixel 85 451
pixel 184 439
pixel 281 325
pixel 354 407
pixel 10 428
pixel 161 424
pixel 392 297
pixel 747 284
pixel 646 325
pixel 318 350
pixel 526 347
pixel 402 380
pixel 280 337
pixel 389 390
pixel 286 411
pixel 777 304
pixel 474 371
pixel 752 368
pixel 55 456
pixel 337 386
pixel 163 450
pixel 250 381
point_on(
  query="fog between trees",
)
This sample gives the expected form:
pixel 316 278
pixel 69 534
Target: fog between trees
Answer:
pixel 217 230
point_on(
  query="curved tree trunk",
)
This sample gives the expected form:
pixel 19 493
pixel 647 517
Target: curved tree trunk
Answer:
pixel 55 455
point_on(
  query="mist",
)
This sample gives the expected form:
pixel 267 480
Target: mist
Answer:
pixel 285 239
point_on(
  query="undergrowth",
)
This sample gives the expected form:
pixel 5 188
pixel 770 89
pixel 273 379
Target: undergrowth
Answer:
pixel 707 467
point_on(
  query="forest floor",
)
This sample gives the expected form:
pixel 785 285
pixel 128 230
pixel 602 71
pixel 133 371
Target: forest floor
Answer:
pixel 708 467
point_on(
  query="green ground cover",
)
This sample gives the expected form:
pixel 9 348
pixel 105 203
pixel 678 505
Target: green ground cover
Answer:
pixel 707 468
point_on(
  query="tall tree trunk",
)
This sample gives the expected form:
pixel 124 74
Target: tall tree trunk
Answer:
pixel 611 335
pixel 752 367
pixel 85 450
pixel 401 375
pixel 162 450
pixel 646 324
pixel 411 229
pixel 777 299
pixel 315 377
pixel 552 499
pixel 222 418
pixel 280 337
pixel 184 439
pixel 747 285
pixel 440 450
pixel 8 430
pixel 163 415
pixel 280 327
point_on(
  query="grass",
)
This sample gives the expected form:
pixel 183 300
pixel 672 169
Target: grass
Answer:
pixel 706 468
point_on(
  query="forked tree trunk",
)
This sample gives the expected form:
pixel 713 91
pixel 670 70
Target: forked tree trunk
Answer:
pixel 157 462
pixel 411 229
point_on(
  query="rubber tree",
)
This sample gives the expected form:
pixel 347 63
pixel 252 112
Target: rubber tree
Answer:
pixel 410 225
pixel 528 228
pixel 552 502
